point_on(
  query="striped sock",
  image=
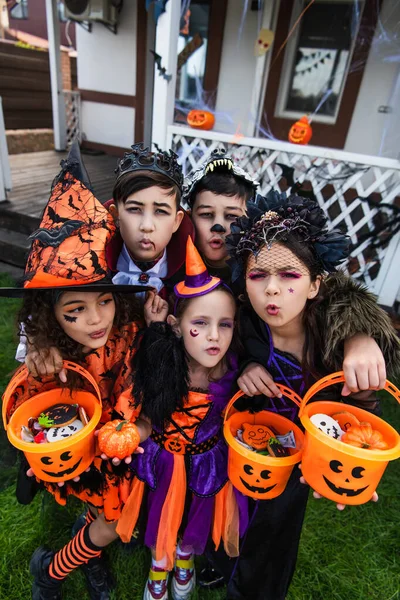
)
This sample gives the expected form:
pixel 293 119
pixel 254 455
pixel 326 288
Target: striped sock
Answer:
pixel 90 517
pixel 77 552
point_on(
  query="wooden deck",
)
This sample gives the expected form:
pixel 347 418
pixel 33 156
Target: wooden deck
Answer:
pixel 32 174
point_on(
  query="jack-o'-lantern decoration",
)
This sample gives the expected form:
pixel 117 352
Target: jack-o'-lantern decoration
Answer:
pixel 257 480
pixel 300 132
pixel 64 459
pixel 200 119
pixel 260 476
pixel 343 473
pixel 256 436
pixel 118 439
pixel 174 445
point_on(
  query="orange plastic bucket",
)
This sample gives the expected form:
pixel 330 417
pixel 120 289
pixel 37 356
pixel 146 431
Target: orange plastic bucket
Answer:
pixel 339 471
pixel 56 461
pixel 260 477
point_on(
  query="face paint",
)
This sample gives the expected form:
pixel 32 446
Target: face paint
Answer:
pixel 194 333
pixel 217 228
pixel 70 319
pixel 291 290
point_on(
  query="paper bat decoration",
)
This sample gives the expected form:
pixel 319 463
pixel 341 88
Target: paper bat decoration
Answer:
pixel 162 70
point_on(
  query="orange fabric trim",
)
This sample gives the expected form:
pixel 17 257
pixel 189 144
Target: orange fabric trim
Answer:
pixel 219 516
pixel 130 512
pixel 230 533
pixel 185 290
pixel 172 513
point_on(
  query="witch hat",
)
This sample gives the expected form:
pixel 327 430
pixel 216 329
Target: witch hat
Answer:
pixel 197 280
pixel 69 248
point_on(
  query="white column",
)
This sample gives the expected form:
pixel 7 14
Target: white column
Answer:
pixel 57 96
pixel 5 172
pixel 167 34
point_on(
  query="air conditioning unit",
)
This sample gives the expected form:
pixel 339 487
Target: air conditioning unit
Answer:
pixel 104 11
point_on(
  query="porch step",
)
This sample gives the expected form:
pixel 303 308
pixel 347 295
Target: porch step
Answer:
pixel 17 221
pixel 14 247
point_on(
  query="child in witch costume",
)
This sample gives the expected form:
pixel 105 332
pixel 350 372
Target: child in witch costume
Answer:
pixel 147 249
pixel 185 459
pixel 293 326
pixel 217 194
pixel 70 304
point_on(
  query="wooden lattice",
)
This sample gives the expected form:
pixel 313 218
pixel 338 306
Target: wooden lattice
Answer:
pixel 350 188
pixel 72 114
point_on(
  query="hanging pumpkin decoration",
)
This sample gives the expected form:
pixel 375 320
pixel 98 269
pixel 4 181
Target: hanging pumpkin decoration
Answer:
pixel 118 439
pixel 201 119
pixel 363 436
pixel 300 132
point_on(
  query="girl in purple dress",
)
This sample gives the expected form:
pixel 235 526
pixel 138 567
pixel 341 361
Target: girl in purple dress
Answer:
pixel 184 373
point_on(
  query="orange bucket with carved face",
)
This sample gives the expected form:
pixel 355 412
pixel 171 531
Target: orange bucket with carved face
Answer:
pixel 260 477
pixel 61 460
pixel 338 471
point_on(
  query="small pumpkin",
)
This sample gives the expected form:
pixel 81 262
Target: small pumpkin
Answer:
pixel 257 436
pixel 346 419
pixel 118 439
pixel 300 132
pixel 363 436
pixel 200 119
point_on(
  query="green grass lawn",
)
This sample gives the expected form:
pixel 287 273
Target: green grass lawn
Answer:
pixel 349 555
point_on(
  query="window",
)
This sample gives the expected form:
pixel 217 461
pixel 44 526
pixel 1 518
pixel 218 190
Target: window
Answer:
pixel 19 10
pixel 317 61
pixel 193 36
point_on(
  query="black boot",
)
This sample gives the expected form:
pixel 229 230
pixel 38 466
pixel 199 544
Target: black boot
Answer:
pixel 44 587
pixel 98 578
pixel 210 578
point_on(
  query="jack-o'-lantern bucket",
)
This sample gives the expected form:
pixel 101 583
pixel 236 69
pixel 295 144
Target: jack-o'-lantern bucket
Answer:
pixel 59 460
pixel 255 475
pixel 339 471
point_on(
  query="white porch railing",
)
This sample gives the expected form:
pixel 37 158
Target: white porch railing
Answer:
pixel 5 171
pixel 349 188
pixel 72 115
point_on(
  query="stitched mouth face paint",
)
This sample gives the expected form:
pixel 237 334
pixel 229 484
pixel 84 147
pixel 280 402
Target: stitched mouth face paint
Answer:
pixel 194 333
pixel 70 319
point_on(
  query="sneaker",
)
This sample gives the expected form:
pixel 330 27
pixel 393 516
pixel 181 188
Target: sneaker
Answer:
pixel 98 578
pixel 210 578
pixel 183 578
pixel 156 586
pixel 44 587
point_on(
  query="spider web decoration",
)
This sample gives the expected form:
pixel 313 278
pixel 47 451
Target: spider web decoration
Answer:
pixel 353 191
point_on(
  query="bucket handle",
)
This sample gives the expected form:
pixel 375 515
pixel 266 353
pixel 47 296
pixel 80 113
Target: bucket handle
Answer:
pixel 20 376
pixel 338 377
pixel 287 392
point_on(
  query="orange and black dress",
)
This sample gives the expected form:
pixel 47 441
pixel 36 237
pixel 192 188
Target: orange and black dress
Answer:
pixel 105 486
pixel 186 464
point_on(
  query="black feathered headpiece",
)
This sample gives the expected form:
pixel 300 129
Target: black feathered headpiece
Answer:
pixel 273 218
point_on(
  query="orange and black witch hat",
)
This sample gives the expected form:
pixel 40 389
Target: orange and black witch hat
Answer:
pixel 69 248
pixel 197 281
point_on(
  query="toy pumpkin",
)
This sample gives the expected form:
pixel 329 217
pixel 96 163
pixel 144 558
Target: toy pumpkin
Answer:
pixel 200 119
pixel 256 435
pixel 300 132
pixel 363 436
pixel 118 439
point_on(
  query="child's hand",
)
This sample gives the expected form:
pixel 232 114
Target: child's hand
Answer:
pixel 363 365
pixel 47 361
pixel 117 461
pixel 339 506
pixel 30 473
pixel 155 308
pixel 256 380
